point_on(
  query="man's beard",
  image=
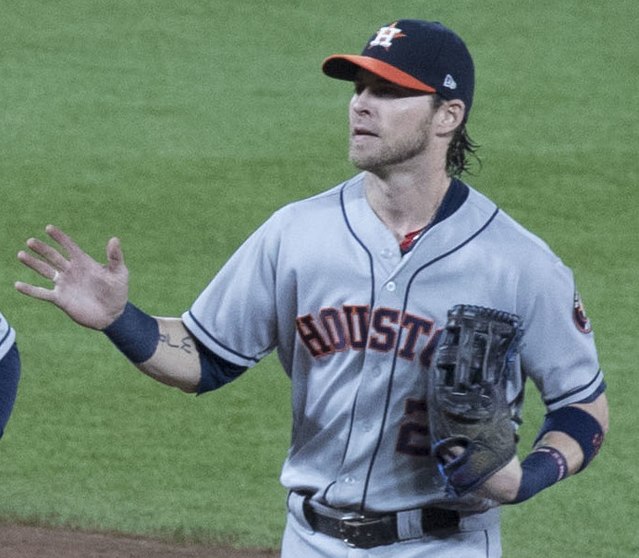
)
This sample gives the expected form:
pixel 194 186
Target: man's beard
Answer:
pixel 383 157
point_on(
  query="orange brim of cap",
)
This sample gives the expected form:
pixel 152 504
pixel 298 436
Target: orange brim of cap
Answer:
pixel 344 66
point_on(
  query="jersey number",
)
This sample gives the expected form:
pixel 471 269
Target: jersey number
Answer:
pixel 413 436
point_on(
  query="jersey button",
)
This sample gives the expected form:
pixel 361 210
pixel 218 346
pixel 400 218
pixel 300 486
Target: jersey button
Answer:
pixel 391 286
pixel 386 253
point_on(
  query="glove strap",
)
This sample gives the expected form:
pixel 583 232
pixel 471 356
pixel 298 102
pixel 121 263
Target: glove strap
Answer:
pixel 542 468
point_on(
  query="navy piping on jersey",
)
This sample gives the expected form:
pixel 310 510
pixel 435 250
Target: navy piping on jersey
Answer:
pixel 361 243
pixel 8 332
pixel 217 371
pixel 598 378
pixel 600 389
pixel 372 304
pixel 398 344
pixel 455 196
pixel 220 343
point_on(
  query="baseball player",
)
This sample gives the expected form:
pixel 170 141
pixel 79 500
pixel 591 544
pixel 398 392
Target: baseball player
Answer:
pixel 9 371
pixel 352 288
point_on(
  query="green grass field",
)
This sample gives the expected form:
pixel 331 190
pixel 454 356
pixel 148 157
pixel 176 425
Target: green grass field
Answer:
pixel 179 127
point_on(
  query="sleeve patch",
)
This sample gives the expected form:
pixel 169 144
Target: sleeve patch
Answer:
pixel 579 315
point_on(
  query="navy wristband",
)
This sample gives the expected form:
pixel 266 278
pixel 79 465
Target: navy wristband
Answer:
pixel 135 333
pixel 580 426
pixel 542 468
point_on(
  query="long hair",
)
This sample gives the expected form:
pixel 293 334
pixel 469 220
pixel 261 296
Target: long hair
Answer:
pixel 460 149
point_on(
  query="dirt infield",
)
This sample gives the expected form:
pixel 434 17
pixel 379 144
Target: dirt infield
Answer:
pixel 19 541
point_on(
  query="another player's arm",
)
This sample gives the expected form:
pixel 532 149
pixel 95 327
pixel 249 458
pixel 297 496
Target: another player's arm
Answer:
pixel 9 379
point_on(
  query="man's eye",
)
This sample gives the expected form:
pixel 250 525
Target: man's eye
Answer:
pixel 384 91
pixel 378 90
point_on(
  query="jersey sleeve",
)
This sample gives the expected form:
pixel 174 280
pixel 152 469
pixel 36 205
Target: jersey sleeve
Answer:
pixel 558 347
pixel 235 315
pixel 9 372
pixel 7 336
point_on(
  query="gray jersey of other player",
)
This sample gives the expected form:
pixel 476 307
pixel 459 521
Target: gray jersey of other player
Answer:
pixel 324 283
pixel 7 336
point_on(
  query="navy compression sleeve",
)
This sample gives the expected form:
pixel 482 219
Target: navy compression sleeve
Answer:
pixel 216 371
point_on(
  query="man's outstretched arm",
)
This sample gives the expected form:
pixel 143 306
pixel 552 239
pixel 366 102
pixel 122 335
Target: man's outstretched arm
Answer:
pixel 96 296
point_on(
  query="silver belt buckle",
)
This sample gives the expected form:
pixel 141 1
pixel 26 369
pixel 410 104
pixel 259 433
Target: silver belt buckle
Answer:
pixel 350 525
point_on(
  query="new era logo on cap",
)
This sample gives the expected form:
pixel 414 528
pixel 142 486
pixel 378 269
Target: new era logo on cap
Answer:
pixel 416 54
pixel 450 82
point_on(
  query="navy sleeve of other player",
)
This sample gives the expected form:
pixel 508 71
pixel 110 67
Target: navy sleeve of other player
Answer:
pixel 216 371
pixel 9 378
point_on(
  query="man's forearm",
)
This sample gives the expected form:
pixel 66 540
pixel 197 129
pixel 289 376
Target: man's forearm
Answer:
pixel 569 439
pixel 555 456
pixel 176 360
pixel 162 348
pixel 568 445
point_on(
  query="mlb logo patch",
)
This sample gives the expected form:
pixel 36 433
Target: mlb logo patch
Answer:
pixel 579 315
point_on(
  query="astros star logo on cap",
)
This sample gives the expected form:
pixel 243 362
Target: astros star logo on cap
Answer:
pixel 421 55
pixel 386 35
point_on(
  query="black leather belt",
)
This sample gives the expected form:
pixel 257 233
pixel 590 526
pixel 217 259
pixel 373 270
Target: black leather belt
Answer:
pixel 365 530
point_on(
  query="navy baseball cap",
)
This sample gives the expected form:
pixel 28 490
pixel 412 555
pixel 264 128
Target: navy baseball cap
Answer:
pixel 421 55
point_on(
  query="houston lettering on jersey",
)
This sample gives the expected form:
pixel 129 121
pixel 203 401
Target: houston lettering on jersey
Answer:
pixel 339 329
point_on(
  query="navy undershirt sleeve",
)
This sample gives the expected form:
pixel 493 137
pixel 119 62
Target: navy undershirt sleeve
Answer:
pixel 216 371
pixel 9 378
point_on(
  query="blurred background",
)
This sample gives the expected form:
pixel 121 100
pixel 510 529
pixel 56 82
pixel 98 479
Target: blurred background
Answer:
pixel 180 127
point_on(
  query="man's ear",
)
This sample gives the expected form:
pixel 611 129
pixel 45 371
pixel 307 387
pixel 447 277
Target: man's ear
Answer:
pixel 451 115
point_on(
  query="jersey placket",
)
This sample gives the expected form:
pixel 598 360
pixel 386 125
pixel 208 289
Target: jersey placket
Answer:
pixel 370 408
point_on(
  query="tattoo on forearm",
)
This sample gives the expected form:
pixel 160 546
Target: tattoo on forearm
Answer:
pixel 185 344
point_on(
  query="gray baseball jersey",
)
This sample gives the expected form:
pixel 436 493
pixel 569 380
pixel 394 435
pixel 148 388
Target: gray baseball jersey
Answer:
pixel 353 321
pixel 7 336
pixel 9 372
